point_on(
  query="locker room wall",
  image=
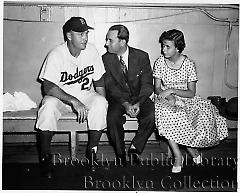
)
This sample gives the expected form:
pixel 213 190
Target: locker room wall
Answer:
pixel 27 40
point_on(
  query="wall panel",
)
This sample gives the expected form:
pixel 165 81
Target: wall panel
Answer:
pixel 26 44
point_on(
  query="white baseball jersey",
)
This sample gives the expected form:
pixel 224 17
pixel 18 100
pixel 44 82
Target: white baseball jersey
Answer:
pixel 70 73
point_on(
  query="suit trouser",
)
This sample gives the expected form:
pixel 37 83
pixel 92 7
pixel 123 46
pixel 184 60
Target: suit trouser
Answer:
pixel 115 121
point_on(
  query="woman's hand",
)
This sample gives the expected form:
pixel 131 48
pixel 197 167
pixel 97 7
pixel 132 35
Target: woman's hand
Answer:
pixel 166 93
pixel 171 100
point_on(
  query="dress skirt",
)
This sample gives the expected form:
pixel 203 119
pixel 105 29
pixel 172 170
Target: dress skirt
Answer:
pixel 193 122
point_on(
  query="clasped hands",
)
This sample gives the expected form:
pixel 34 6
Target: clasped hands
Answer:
pixel 132 110
pixel 168 95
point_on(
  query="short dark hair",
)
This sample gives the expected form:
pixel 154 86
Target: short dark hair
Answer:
pixel 123 32
pixel 176 36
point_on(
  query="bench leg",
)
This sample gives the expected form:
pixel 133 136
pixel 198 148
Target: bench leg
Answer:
pixel 73 143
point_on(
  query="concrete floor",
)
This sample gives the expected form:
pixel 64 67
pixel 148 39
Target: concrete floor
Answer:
pixel 27 152
pixel 225 153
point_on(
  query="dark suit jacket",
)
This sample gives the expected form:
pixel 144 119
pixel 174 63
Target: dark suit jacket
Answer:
pixel 140 79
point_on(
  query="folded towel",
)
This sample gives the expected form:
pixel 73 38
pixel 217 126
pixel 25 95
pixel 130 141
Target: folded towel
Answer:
pixel 17 102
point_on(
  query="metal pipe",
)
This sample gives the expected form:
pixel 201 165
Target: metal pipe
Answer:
pixel 227 57
pixel 121 4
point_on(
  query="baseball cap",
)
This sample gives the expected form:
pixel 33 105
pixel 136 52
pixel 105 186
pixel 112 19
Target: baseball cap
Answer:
pixel 77 24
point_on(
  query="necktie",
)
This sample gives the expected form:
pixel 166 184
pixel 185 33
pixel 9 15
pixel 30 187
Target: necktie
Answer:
pixel 124 70
pixel 123 66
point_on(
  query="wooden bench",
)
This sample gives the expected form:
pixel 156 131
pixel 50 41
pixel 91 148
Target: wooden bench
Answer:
pixel 24 121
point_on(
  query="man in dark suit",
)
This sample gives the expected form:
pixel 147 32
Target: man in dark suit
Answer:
pixel 129 83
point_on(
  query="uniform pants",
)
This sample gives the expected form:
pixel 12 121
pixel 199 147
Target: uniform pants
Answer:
pixel 52 109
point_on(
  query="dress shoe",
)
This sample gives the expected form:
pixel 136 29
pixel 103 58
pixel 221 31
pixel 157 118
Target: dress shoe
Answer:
pixel 198 159
pixel 121 160
pixel 134 157
pixel 46 166
pixel 177 169
pixel 92 161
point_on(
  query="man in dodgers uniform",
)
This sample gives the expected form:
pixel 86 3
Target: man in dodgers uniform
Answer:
pixel 68 74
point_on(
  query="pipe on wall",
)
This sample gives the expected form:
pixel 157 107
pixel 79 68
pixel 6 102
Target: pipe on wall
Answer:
pixel 121 4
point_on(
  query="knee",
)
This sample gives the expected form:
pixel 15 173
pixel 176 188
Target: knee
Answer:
pixel 151 114
pixel 49 101
pixel 115 118
pixel 49 105
pixel 150 117
pixel 100 102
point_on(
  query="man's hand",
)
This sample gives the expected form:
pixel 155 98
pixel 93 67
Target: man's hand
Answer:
pixel 81 110
pixel 136 108
pixel 129 109
pixel 52 89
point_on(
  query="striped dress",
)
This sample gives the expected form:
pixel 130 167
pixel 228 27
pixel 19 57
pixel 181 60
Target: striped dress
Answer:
pixel 193 122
